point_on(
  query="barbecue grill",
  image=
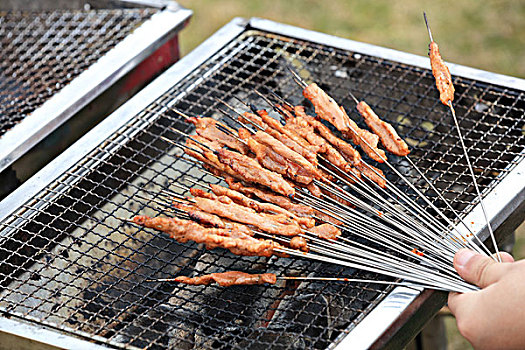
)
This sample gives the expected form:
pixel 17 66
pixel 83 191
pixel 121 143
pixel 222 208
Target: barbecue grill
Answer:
pixel 56 58
pixel 72 271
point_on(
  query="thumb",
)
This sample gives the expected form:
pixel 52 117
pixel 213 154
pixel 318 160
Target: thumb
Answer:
pixel 478 269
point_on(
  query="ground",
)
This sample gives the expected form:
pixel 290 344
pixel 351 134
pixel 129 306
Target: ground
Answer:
pixel 488 34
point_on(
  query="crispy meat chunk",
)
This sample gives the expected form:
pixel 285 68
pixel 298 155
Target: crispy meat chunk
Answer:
pixel 207 128
pixel 327 109
pixel 442 75
pixel 373 174
pixel 287 153
pixel 300 125
pixel 282 201
pixel 273 161
pixel 299 243
pixel 326 231
pixel 259 207
pixel 277 224
pixel 387 134
pixel 234 240
pixel 230 278
pixel 342 146
pixel 314 190
pixel 327 218
pixel 249 170
pixel 289 138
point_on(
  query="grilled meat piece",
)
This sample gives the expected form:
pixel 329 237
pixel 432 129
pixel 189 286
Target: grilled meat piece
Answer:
pixel 387 134
pixel 233 239
pixel 273 161
pixel 207 128
pixel 300 125
pixel 283 202
pixel 230 278
pixel 287 153
pixel 327 109
pixel 249 170
pixel 278 224
pixel 210 159
pixel 314 190
pixel 208 219
pixel 342 146
pixel 289 138
pixel 299 243
pixel 326 231
pixel 442 74
pixel 241 199
pixel 373 174
pixel 200 216
pixel 327 218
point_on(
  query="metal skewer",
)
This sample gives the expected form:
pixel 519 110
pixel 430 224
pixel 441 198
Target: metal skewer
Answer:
pixel 471 169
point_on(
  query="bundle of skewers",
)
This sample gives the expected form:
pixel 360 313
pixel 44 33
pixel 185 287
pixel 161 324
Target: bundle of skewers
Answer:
pixel 295 185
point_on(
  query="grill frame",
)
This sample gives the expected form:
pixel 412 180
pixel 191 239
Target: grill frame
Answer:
pixel 400 300
pixel 98 78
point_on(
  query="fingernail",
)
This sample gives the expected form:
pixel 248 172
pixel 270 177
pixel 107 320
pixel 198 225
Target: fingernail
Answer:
pixel 463 256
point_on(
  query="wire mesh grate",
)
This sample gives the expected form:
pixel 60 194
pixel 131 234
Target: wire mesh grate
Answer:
pixel 41 52
pixel 70 263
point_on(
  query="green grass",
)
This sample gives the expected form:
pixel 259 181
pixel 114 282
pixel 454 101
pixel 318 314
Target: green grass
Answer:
pixel 488 34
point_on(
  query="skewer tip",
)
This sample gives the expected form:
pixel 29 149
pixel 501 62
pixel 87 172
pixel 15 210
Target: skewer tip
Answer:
pixel 353 97
pixel 428 27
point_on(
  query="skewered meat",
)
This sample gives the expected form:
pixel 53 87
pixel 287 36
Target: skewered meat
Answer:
pixel 373 174
pixel 343 147
pixel 207 128
pixel 230 278
pixel 240 198
pixel 197 192
pixel 281 201
pixel 327 109
pixel 287 153
pixel 249 170
pixel 210 159
pixel 233 239
pixel 278 224
pixel 200 216
pixel 442 74
pixel 289 138
pixel 273 161
pixel 208 219
pixel 327 218
pixel 314 190
pixel 254 118
pixel 326 231
pixel 299 243
pixel 388 135
pixel 300 125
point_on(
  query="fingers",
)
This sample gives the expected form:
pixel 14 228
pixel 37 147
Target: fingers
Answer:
pixel 505 257
pixel 478 269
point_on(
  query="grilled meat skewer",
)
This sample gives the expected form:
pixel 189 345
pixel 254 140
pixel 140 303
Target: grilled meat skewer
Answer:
pixel 234 240
pixel 326 108
pixel 227 279
pixel 386 132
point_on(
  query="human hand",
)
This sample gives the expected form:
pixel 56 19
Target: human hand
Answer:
pixel 493 317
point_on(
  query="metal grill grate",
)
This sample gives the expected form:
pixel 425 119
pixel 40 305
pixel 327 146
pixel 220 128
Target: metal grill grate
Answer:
pixel 69 263
pixel 41 52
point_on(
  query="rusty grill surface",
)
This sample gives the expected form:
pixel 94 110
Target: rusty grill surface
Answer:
pixel 41 52
pixel 68 261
